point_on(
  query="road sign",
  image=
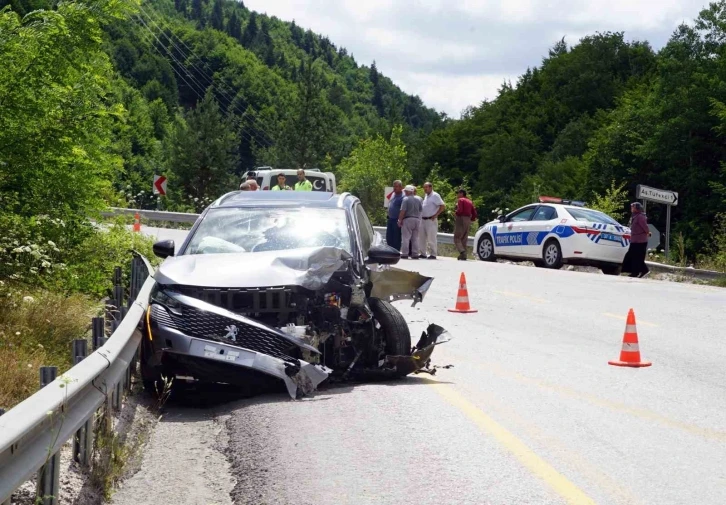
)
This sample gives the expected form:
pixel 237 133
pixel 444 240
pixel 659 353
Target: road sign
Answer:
pixel 657 195
pixel 387 195
pixel 159 185
pixel 670 198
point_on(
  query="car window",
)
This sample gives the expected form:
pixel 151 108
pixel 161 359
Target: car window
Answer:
pixel 366 230
pixel 250 230
pixel 521 215
pixel 319 182
pixel 545 213
pixel 593 216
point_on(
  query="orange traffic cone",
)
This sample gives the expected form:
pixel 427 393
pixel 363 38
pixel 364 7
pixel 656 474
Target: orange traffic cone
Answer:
pixel 630 354
pixel 137 222
pixel 462 298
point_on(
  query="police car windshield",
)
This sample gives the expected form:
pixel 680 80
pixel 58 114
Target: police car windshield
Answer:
pixel 249 230
pixel 593 216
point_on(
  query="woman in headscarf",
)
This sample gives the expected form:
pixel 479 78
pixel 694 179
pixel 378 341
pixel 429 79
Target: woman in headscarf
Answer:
pixel 634 261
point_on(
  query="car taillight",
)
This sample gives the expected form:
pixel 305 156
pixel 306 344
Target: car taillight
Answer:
pixel 578 229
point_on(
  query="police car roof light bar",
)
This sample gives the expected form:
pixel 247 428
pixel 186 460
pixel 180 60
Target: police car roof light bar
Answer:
pixel 549 199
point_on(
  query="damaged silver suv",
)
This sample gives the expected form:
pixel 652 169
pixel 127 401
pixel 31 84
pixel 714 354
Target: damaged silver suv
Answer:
pixel 282 286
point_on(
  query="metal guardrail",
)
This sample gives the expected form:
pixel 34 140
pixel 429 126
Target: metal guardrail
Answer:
pixel 154 215
pixel 33 432
pixel 442 238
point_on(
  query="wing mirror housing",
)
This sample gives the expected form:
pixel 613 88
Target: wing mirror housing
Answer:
pixel 383 255
pixel 502 219
pixel 164 248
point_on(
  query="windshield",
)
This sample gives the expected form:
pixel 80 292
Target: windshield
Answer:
pixel 593 216
pixel 236 230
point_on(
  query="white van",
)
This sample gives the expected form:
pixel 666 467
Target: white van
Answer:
pixel 267 177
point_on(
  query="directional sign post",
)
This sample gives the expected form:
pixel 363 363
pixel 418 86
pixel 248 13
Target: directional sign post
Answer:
pixel 159 185
pixel 667 197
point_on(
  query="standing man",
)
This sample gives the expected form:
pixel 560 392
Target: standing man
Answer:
pixel 409 219
pixel 393 231
pixel 281 184
pixel 465 214
pixel 639 233
pixel 302 183
pixel 433 206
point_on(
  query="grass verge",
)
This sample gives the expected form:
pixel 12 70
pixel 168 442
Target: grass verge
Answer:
pixel 37 328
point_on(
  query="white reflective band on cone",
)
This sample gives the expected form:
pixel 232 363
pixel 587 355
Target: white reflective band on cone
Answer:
pixel 630 328
pixel 630 347
pixel 462 299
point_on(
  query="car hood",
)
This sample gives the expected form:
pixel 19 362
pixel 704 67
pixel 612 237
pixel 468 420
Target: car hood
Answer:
pixel 310 268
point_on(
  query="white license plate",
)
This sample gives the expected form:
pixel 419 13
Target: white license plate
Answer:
pixel 610 237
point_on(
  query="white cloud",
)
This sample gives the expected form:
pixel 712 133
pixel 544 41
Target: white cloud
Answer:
pixel 456 53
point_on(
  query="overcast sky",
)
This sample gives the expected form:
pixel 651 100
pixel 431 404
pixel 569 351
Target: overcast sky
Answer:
pixel 456 53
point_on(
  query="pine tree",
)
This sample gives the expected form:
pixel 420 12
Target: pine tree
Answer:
pixel 250 34
pixel 377 92
pixel 181 6
pixel 234 29
pixel 217 19
pixel 270 55
pixel 198 11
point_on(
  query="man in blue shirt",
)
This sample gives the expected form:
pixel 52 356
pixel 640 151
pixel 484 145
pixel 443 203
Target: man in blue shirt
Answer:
pixel 393 231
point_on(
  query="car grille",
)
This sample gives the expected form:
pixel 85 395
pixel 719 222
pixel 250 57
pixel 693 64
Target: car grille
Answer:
pixel 210 326
pixel 243 301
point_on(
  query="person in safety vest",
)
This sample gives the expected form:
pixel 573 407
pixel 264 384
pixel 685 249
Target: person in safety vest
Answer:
pixel 281 186
pixel 302 183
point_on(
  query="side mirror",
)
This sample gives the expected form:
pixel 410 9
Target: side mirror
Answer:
pixel 383 255
pixel 164 248
pixel 502 219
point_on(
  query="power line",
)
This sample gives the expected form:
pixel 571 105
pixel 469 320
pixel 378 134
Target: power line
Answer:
pixel 220 86
pixel 196 89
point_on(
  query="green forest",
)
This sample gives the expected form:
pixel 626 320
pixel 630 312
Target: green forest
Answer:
pixel 98 96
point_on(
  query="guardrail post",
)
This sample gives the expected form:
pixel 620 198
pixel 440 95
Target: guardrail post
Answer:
pixel 117 276
pixel 118 300
pixel 83 439
pixel 98 332
pixel 48 483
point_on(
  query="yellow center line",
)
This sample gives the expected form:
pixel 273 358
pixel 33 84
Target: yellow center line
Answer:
pixel 539 467
pixel 520 295
pixel 623 318
pixel 642 413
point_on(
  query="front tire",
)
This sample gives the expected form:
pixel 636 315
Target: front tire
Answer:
pixel 552 255
pixel 485 248
pixel 151 373
pixel 396 333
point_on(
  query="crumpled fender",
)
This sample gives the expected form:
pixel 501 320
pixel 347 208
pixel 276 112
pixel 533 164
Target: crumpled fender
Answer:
pixel 396 284
pixel 420 358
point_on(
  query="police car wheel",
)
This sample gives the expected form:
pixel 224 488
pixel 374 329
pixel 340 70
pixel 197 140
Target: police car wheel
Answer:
pixel 485 248
pixel 552 255
pixel 612 270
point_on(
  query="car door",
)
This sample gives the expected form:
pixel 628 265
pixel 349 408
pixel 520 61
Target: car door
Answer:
pixel 543 220
pixel 508 235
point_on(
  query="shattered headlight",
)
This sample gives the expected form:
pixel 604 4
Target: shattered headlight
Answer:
pixel 171 304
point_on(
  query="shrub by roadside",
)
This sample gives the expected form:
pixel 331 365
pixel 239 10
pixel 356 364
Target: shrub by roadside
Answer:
pixel 54 279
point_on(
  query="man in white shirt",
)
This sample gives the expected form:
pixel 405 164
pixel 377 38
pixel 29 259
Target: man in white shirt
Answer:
pixel 433 206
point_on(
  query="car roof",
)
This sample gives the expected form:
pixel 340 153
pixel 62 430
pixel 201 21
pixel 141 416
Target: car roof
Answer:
pixel 319 199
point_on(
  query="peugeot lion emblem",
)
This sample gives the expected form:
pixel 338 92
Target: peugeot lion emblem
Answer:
pixel 231 332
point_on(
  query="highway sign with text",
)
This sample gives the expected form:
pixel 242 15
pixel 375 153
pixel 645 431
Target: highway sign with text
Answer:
pixel 159 185
pixel 657 195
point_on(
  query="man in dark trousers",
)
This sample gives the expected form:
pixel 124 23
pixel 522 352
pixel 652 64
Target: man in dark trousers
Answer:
pixel 393 231
pixel 634 261
pixel 465 214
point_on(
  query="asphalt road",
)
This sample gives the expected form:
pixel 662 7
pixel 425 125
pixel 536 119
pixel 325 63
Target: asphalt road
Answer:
pixel 531 413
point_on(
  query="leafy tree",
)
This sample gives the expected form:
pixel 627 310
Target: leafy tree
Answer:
pixel 612 202
pixel 203 153
pixel 198 11
pixel 55 128
pixel 372 166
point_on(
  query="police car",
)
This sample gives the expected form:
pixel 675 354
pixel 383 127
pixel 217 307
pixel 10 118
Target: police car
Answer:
pixel 554 232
